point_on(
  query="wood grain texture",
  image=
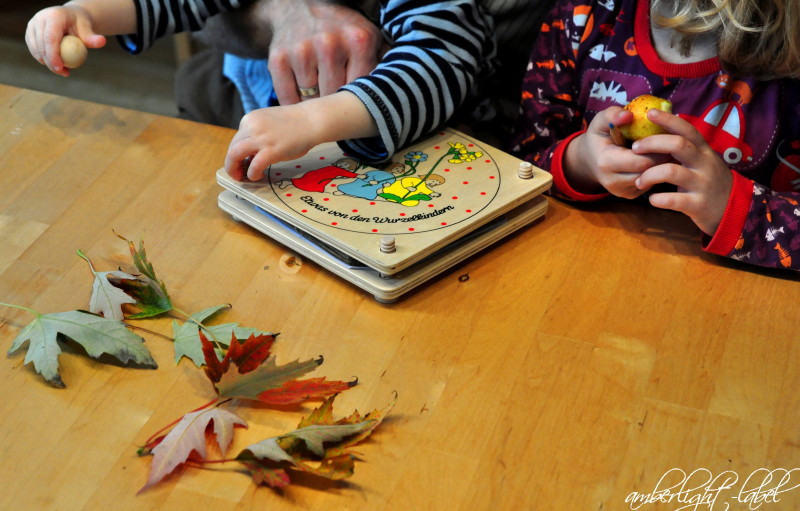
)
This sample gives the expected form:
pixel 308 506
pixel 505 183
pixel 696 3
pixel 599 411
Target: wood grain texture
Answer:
pixel 583 358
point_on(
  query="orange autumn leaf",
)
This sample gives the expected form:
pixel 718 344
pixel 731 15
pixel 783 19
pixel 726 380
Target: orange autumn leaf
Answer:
pixel 320 446
pixel 324 416
pixel 295 391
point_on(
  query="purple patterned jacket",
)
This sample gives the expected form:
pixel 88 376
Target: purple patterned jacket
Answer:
pixel 592 55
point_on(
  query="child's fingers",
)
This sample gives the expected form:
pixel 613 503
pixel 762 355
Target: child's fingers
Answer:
pixel 235 164
pixel 84 30
pixel 676 126
pixel 675 201
pixel 620 116
pixel 679 147
pixel 93 41
pixel 246 160
pixel 30 40
pixel 260 162
pixel 671 173
pixel 50 37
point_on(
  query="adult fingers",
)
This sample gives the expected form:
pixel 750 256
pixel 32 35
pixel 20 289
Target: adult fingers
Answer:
pixel 283 80
pixel 365 51
pixel 305 69
pixel 292 70
pixel 331 60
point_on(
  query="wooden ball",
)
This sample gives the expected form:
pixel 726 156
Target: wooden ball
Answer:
pixel 73 52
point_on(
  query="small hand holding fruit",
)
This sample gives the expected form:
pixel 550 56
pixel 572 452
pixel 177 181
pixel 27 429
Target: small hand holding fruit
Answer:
pixel 703 179
pixel 593 163
pixel 641 126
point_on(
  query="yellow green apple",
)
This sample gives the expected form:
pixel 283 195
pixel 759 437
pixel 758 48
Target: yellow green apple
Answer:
pixel 642 126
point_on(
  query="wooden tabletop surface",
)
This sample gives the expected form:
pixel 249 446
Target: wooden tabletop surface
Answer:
pixel 582 360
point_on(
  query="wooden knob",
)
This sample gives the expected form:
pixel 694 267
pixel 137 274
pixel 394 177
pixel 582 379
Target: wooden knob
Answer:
pixel 525 170
pixel 388 245
pixel 73 51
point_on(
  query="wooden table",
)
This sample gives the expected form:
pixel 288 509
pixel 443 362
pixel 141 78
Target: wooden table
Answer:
pixel 581 361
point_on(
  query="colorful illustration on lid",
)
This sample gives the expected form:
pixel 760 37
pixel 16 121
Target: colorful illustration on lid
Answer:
pixel 318 180
pixel 433 187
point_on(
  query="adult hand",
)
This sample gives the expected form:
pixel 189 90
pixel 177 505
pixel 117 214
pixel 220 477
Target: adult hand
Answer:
pixel 704 181
pixel 317 44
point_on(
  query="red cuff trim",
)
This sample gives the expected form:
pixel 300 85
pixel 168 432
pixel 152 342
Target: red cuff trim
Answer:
pixel 647 51
pixel 732 224
pixel 560 181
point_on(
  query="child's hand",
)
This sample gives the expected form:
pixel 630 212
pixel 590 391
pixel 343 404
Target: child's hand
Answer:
pixel 267 136
pixel 595 164
pixel 49 26
pixel 704 181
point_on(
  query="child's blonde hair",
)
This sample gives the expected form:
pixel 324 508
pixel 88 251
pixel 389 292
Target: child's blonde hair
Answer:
pixel 759 38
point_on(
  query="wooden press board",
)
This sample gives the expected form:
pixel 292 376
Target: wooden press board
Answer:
pixel 430 196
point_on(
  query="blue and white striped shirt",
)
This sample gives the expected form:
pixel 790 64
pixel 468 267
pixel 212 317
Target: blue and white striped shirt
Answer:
pixel 438 52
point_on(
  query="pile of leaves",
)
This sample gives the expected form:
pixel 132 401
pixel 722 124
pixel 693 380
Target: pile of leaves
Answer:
pixel 237 360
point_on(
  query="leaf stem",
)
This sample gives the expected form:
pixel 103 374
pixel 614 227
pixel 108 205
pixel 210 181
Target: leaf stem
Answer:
pixel 20 307
pixel 209 462
pixel 153 332
pixel 201 325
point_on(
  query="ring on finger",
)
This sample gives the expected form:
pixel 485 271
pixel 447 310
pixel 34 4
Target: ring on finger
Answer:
pixel 308 91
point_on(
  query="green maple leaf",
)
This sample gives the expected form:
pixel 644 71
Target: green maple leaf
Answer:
pixel 268 375
pixel 187 339
pixel 150 293
pixel 97 335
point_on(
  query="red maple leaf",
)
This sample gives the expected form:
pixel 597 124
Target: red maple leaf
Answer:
pixel 247 355
pixel 260 378
pixel 295 391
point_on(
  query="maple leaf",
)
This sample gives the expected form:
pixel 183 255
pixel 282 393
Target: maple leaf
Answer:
pixel 294 391
pixel 189 435
pixel 187 339
pixel 318 446
pixel 97 335
pixel 107 299
pixel 257 376
pixel 150 293
pixel 246 356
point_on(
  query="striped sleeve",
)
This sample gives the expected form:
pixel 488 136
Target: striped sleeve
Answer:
pixel 157 18
pixel 439 50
